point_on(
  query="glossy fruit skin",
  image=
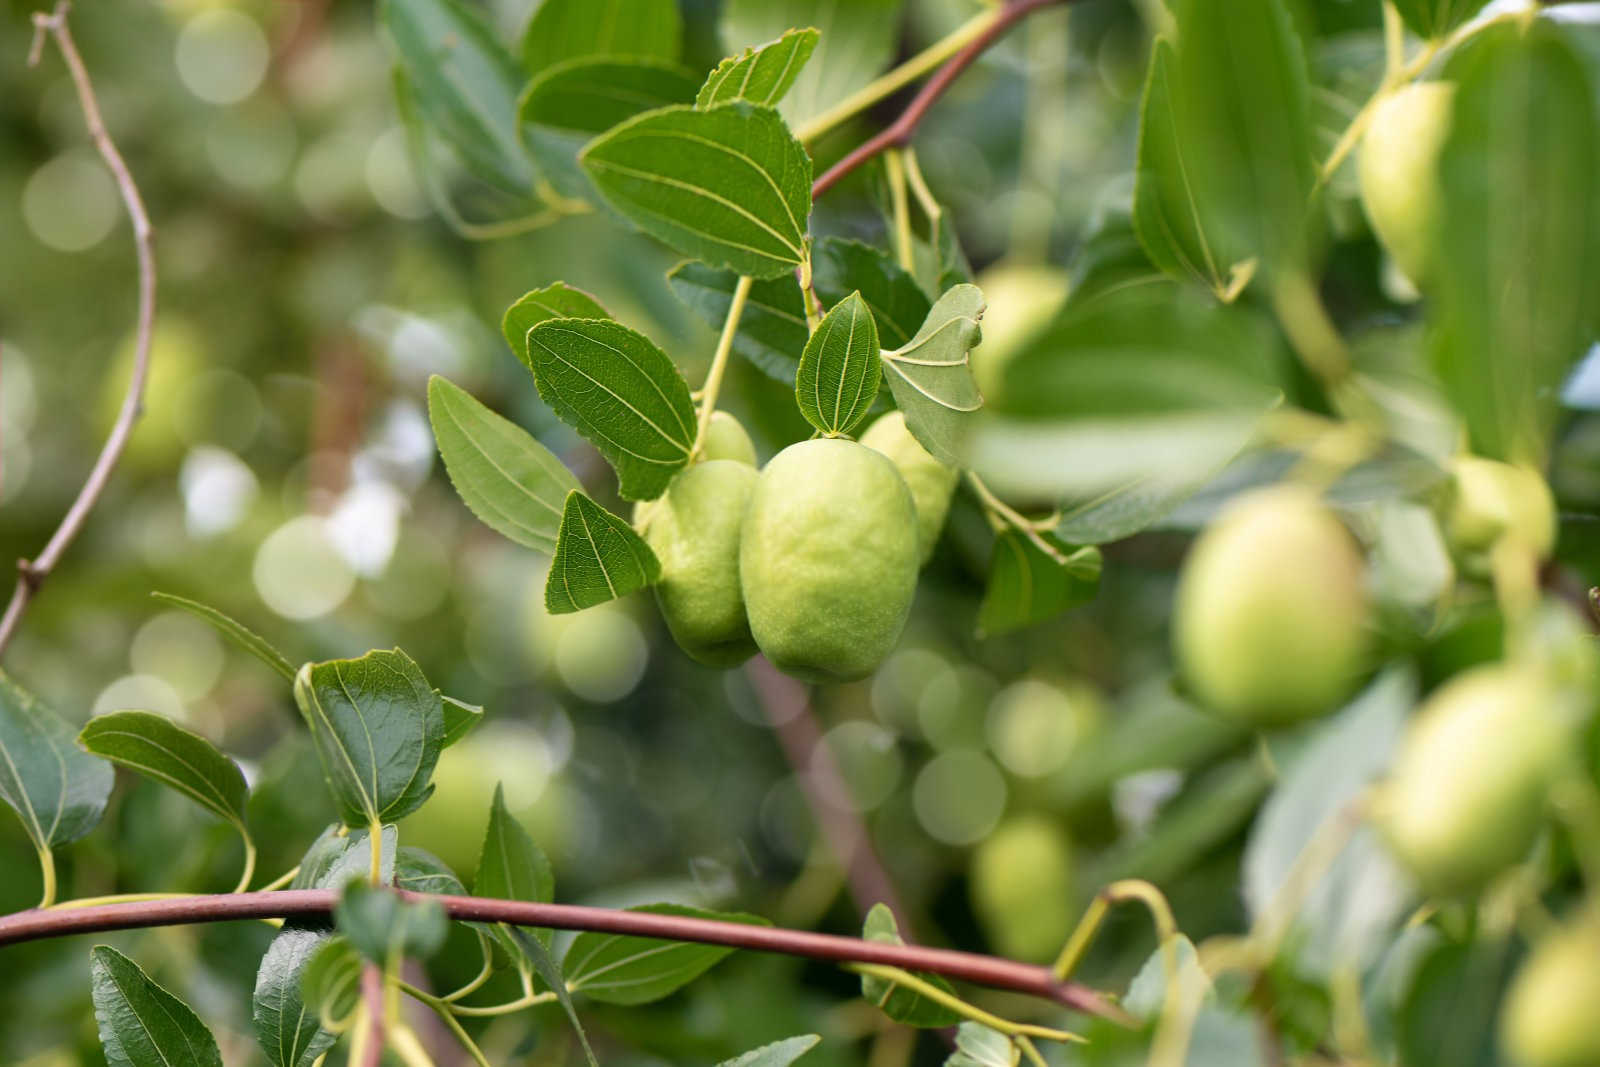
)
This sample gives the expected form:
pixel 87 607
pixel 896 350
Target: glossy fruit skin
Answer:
pixel 1270 617
pixel 694 531
pixel 1399 171
pixel 1549 1017
pixel 726 438
pixel 1490 500
pixel 931 482
pixel 1022 889
pixel 1466 796
pixel 828 559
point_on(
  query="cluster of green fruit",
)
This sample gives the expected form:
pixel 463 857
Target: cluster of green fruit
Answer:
pixel 813 560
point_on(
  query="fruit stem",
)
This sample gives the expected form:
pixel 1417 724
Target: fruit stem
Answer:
pixel 929 991
pixel 719 362
pixel 1011 516
pixel 1311 332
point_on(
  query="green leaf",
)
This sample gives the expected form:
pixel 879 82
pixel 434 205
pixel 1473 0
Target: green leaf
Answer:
pixel 330 980
pixel 1449 1012
pixel 598 558
pixel 417 870
pixel 979 1046
pixel 760 74
pixel 617 969
pixel 772 331
pixel 58 790
pixel 333 858
pixel 840 369
pixel 1349 915
pixel 511 866
pixel 234 631
pixel 1221 1034
pixel 459 719
pixel 555 301
pixel 1027 587
pixel 564 107
pixel 931 375
pixel 286 1026
pixel 463 84
pixel 1167 214
pixel 568 29
pixel 898 303
pixel 729 186
pixel 898 1003
pixel 859 38
pixel 511 482
pixel 778 1054
pixel 159 748
pixel 550 973
pixel 1516 264
pixel 1433 19
pixel 381 924
pixel 1120 511
pixel 622 393
pixel 1241 97
pixel 141 1024
pixel 378 727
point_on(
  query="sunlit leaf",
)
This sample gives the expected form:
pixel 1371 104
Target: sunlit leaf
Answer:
pixel 568 29
pixel 555 301
pixel 621 392
pixel 760 74
pixel 141 1024
pixel 931 375
pixel 778 1054
pixel 1027 586
pixel 510 865
pixel 57 789
pixel 619 969
pixel 598 558
pixel 729 186
pixel 510 481
pixel 176 756
pixel 334 858
pixel 840 369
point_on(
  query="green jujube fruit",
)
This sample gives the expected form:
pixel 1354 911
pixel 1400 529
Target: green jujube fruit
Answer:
pixel 1270 620
pixel 828 559
pixel 1490 500
pixel 1549 1017
pixel 1021 886
pixel 1399 171
pixel 694 531
pixel 1467 793
pixel 931 482
pixel 726 438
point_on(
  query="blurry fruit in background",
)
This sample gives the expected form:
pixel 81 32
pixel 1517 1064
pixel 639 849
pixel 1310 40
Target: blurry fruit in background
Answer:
pixel 178 356
pixel 1548 1018
pixel 598 654
pixel 1035 725
pixel 1021 298
pixel 1399 167
pixel 931 482
pixel 1490 501
pixel 1021 886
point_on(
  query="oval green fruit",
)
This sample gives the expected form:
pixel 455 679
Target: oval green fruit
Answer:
pixel 828 559
pixel 1549 1017
pixel 1270 619
pixel 694 531
pixel 1399 171
pixel 1020 299
pixel 1021 886
pixel 1467 793
pixel 931 482
pixel 1491 500
pixel 726 438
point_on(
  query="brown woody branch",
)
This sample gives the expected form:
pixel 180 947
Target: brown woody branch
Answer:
pixel 971 967
pixel 32 573
pixel 900 130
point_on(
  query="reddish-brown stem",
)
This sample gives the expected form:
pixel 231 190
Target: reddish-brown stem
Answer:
pixel 372 996
pixel 318 903
pixel 900 130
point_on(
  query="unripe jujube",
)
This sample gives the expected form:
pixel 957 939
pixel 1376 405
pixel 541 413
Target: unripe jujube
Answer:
pixel 828 559
pixel 694 531
pixel 1549 1017
pixel 1270 619
pixel 1399 171
pixel 1467 793
pixel 1021 885
pixel 1491 500
pixel 931 482
pixel 726 438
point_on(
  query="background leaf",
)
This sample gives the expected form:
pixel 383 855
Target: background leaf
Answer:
pixel 1027 587
pixel 1517 262
pixel 840 369
pixel 159 748
pixel 778 1054
pixel 512 483
pixel 618 969
pixel 378 728
pixel 931 375
pixel 141 1024
pixel 234 631
pixel 761 75
pixel 979 1046
pixel 622 393
pixel 898 1003
pixel 568 29
pixel 899 305
pixel 417 870
pixel 598 558
pixel 58 790
pixel 772 331
pixel 379 923
pixel 730 186
pixel 557 300
pixel 286 1026
pixel 858 41
pixel 330 981
pixel 1433 19
pixel 511 866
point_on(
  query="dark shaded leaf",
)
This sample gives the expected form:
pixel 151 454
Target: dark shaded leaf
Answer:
pixel 772 331
pixel 1026 586
pixel 141 1024
pixel 286 1026
pixel 898 303
pixel 898 1003
pixel 380 924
